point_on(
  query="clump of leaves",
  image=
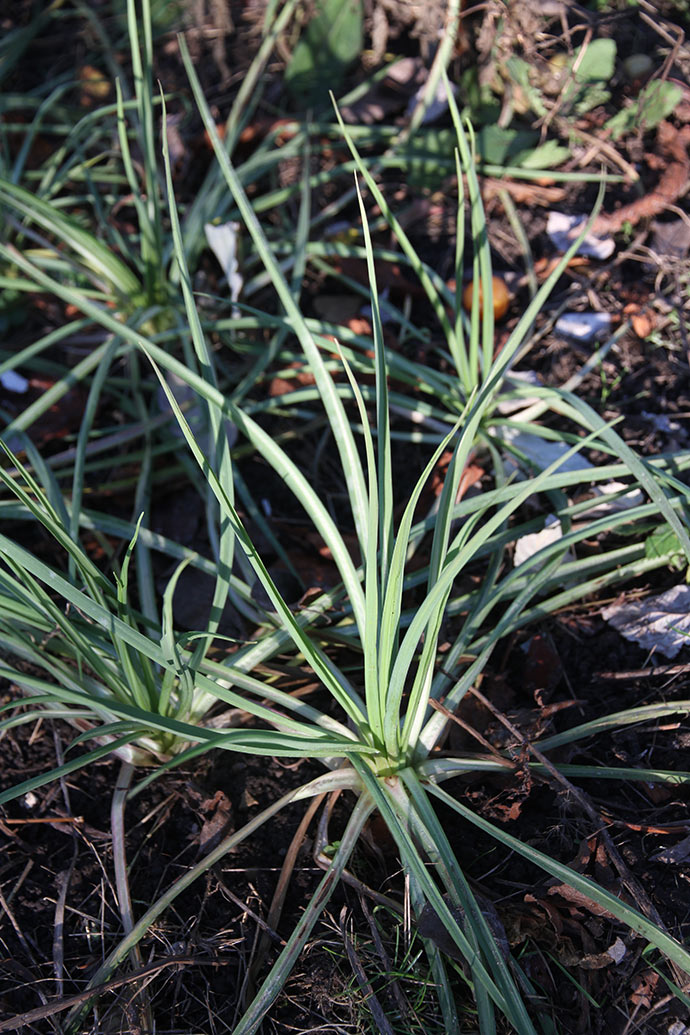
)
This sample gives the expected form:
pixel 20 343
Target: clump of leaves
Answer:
pixel 135 685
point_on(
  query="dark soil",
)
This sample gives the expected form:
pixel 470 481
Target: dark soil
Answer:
pixel 57 849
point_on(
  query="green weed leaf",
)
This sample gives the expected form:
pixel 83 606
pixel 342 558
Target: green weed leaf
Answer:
pixel 653 104
pixel 546 156
pixel 331 41
pixel 664 542
pixel 597 63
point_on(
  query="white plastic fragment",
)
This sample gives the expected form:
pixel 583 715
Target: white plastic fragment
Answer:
pixel 583 326
pixel 222 240
pixel 14 382
pixel 660 623
pixel 563 229
pixel 609 505
pixel 528 545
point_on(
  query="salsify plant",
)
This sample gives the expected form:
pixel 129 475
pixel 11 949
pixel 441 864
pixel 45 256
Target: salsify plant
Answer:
pixel 82 647
pixel 141 689
pixel 433 395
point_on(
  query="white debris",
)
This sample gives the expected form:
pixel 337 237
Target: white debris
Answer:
pixel 14 382
pixel 563 229
pixel 528 545
pixel 222 240
pixel 617 951
pixel 632 498
pixel 583 326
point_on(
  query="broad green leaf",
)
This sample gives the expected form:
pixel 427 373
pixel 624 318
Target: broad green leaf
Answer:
pixel 519 71
pixel 595 62
pixel 654 103
pixel 591 97
pixel 499 146
pixel 664 541
pixel 428 154
pixel 545 156
pixel 331 41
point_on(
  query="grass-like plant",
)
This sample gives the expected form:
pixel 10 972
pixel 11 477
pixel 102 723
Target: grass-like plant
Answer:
pixel 130 683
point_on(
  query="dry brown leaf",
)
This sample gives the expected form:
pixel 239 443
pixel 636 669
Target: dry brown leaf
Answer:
pixel 217 813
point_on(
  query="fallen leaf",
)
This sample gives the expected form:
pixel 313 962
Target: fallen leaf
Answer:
pixel 599 960
pixel 578 900
pixel 217 813
pixel 524 193
pixel 543 670
pixel 660 623
pixel 644 986
pixel 94 85
pixel 642 321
